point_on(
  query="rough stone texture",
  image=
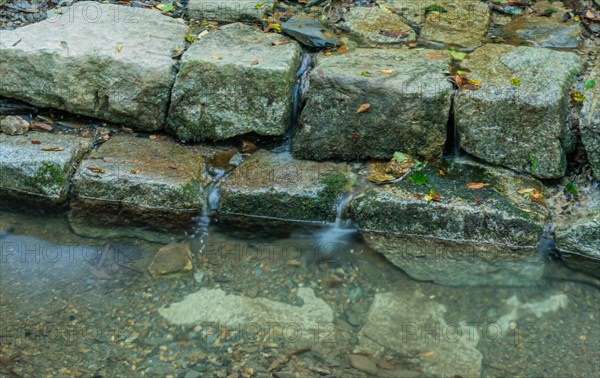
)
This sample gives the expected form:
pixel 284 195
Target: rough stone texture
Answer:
pixel 403 323
pixel 99 60
pixel 528 121
pixel 549 32
pixel 462 26
pixel 164 194
pixel 409 106
pixel 254 316
pixel 229 10
pixel 367 23
pixel 278 186
pixel 590 122
pixel 580 240
pixel 232 82
pixel 170 259
pixel 471 237
pixel 14 125
pixel 30 174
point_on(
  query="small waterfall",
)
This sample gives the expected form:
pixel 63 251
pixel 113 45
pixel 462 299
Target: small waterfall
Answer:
pixel 339 232
pixel 210 205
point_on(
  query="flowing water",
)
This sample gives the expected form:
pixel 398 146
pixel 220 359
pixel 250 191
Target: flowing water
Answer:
pixel 84 307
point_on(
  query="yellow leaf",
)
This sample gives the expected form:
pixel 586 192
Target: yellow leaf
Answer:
pixel 119 47
pixel 386 71
pixel 96 170
pixel 135 171
pixel 52 149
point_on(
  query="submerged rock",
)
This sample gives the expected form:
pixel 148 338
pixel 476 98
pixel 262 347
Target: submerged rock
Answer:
pixel 403 323
pixel 470 237
pixel 31 174
pixel 138 182
pixel 521 105
pixel 309 31
pixel 277 186
pixel 579 241
pixel 230 10
pixel 254 318
pixel 374 25
pixel 408 100
pixel 170 259
pixel 232 82
pixel 99 60
pixel 590 121
pixel 14 125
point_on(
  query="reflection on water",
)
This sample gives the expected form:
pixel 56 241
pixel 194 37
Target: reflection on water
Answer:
pixel 302 302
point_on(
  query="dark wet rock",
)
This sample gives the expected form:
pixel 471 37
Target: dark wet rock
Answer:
pixel 463 24
pixel 363 363
pixel 31 174
pixel 310 32
pixel 170 259
pixel 138 182
pixel 404 322
pixel 545 30
pixel 590 122
pixel 522 105
pixel 470 237
pixel 409 106
pixel 246 85
pixel 117 68
pixel 230 10
pixel 14 125
pixel 579 240
pixel 277 186
pixel 374 25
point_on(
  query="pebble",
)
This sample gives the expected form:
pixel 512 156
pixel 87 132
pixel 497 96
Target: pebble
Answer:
pixel 14 125
pixel 363 363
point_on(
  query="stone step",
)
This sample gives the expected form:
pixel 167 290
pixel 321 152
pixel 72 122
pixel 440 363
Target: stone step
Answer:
pixel 100 60
pixel 232 82
pixel 409 105
pixel 230 10
pixel 469 237
pixel 37 168
pixel 589 124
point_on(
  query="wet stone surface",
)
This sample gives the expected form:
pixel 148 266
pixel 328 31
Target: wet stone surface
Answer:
pixel 246 84
pixel 519 86
pixel 374 25
pixel 31 174
pixel 590 121
pixel 278 186
pixel 409 105
pixel 131 181
pixel 230 10
pixel 118 68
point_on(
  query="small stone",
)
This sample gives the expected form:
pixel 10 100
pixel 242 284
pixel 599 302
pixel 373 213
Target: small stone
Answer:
pixel 377 26
pixel 310 32
pixel 363 363
pixel 172 258
pixel 14 125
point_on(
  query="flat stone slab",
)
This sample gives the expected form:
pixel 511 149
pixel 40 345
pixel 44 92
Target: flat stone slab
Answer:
pixel 232 82
pixel 377 26
pixel 470 237
pixel 230 10
pixel 409 104
pixel 99 60
pixel 31 174
pixel 522 105
pixel 138 182
pixel 589 123
pixel 458 24
pixel 277 186
pixel 579 240
pixel 409 323
pixel 254 318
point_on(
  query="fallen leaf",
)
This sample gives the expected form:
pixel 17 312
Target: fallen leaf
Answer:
pixel 426 354
pixel 366 74
pixel 247 147
pixel 154 137
pixel 135 171
pixel 37 125
pixel 177 53
pixel 342 49
pixel 577 97
pixel 36 142
pixel 592 16
pixel 395 33
pixel 589 84
pixel 52 149
pixel 364 108
pixel 202 34
pixel 477 185
pixel 216 57
pixel 441 172
pixel 119 47
pixel 515 82
pixel 283 41
pixel 386 71
pixel 96 170
pixel 436 56
pixel 327 53
pixel 416 196
pixel 456 55
pixel 477 201
pixel 254 62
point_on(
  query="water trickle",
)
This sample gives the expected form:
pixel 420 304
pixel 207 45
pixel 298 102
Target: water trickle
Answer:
pixel 339 233
pixel 210 206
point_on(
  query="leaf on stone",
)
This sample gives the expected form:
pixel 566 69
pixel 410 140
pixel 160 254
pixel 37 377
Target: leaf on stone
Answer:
pixel 386 71
pixel 577 96
pixel 135 171
pixel 591 15
pixel 436 56
pixel 441 172
pixel 259 5
pixel 327 53
pixel 189 38
pixel 283 41
pixel 456 55
pixel 119 47
pixel 275 26
pixel 549 11
pixel 435 8
pixel 515 82
pixel 571 188
pixel 589 84
pixel 177 53
pixel 433 196
pixel 216 57
pixel 154 137
pixel 96 170
pixel 364 108
pixel 416 196
pixel 395 33
pixel 36 142
pixel 52 149
pixel 473 82
pixel 343 49
pixel 378 173
pixel 532 194
pixel 477 185
pixel 366 74
pixel 254 62
pixel 202 34
pixel 419 178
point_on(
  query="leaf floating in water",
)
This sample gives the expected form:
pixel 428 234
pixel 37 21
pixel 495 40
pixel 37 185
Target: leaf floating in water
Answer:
pixel 364 108
pixel 52 149
pixel 477 185
pixel 96 170
pixel 571 188
pixel 343 49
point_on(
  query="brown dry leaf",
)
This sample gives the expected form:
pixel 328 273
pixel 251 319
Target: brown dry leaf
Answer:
pixel 592 15
pixel 247 147
pixel 379 174
pixel 254 62
pixel 436 197
pixel 477 201
pixel 343 49
pixel 355 137
pixel 416 196
pixel 386 71
pixel 458 80
pixel 525 190
pixel 395 33
pixel 441 172
pixel 477 185
pixel 36 142
pixel 436 56
pixel 283 41
pixel 52 149
pixel 96 170
pixel 135 171
pixel 364 108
